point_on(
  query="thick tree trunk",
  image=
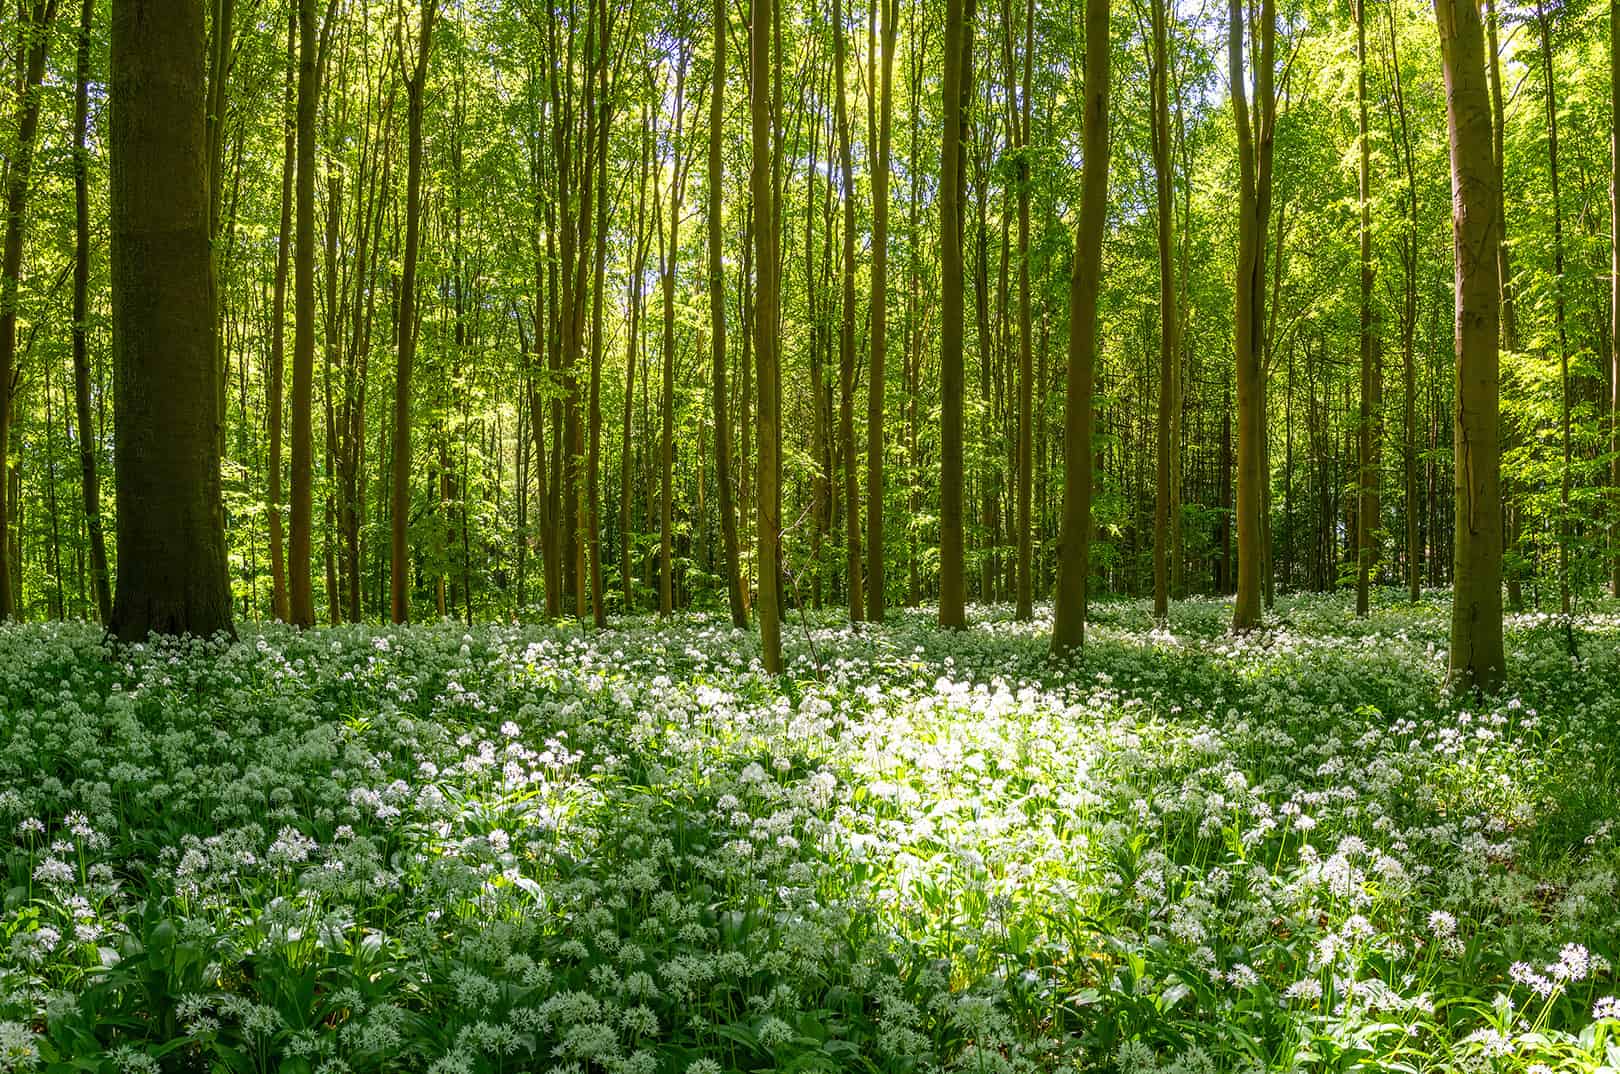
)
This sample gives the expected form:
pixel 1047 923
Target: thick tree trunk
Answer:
pixel 171 539
pixel 1476 609
pixel 1069 612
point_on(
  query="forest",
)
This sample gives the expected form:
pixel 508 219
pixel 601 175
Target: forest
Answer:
pixel 642 536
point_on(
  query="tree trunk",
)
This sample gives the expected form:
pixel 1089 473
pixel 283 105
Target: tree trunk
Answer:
pixel 890 26
pixel 765 307
pixel 1254 134
pixel 666 451
pixel 88 467
pixel 1366 513
pixel 846 335
pixel 1476 609
pixel 717 322
pixel 958 62
pixel 1169 438
pixel 19 173
pixel 301 605
pixel 400 498
pixel 171 539
pixel 1069 612
pixel 1614 282
pixel 1564 536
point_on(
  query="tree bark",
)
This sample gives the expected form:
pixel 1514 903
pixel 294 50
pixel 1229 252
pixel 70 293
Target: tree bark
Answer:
pixel 958 51
pixel 1367 511
pixel 400 493
pixel 846 335
pixel 171 540
pixel 1074 567
pixel 717 322
pixel 88 466
pixel 301 603
pixel 1169 433
pixel 765 311
pixel 1476 609
pixel 875 388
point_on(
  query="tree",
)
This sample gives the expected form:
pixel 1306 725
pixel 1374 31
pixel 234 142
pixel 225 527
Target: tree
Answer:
pixel 958 65
pixel 1074 561
pixel 1169 431
pixel 875 382
pixel 1367 476
pixel 301 605
pixel 1476 605
pixel 278 331
pixel 846 334
pixel 1254 142
pixel 762 186
pixel 1614 275
pixel 88 468
pixel 35 30
pixel 171 539
pixel 717 322
pixel 400 493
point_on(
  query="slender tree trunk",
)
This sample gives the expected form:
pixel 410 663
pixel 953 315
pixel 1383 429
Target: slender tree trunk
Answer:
pixel 1254 135
pixel 1366 513
pixel 762 76
pixel 301 604
pixel 19 174
pixel 638 265
pixel 1614 282
pixel 1069 612
pixel 1564 536
pixel 958 62
pixel 717 320
pixel 666 452
pixel 1476 610
pixel 1169 438
pixel 400 497
pixel 278 335
pixel 88 466
pixel 171 540
pixel 846 335
pixel 1504 270
pixel 875 389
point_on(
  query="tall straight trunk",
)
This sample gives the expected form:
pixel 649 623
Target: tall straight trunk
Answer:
pixel 1504 270
pixel 717 321
pixel 1476 608
pixel 171 537
pixel 1409 257
pixel 666 448
pixel 593 494
pixel 1366 512
pixel 765 310
pixel 88 474
pixel 1018 112
pixel 958 50
pixel 301 604
pixel 846 334
pixel 1074 567
pixel 890 26
pixel 19 174
pixel 400 492
pixel 1563 529
pixel 1614 281
pixel 278 333
pixel 1169 438
pixel 638 264
pixel 1254 136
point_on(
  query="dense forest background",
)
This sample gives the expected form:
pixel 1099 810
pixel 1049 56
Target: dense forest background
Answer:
pixel 525 235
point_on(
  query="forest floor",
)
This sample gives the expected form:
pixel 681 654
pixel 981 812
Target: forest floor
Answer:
pixel 550 849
